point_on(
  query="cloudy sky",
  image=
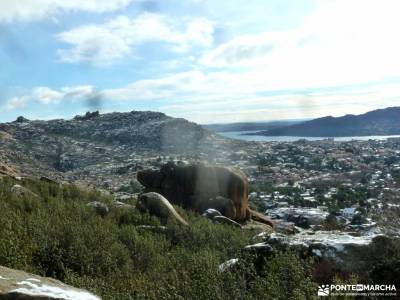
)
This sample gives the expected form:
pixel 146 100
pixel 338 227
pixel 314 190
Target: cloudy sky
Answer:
pixel 204 60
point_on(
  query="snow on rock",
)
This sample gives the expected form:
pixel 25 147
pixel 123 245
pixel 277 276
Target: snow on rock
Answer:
pixel 336 245
pixel 226 265
pixel 20 285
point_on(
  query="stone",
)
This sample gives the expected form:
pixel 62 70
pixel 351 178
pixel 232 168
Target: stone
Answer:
pixel 193 185
pixel 228 264
pixel 21 119
pixel 259 217
pixel 100 207
pixel 119 204
pixel 7 170
pixel 221 204
pixel 258 227
pixel 211 213
pixel 341 248
pixel 225 220
pixel 48 180
pixel 20 285
pixel 260 247
pixel 21 191
pixel 159 206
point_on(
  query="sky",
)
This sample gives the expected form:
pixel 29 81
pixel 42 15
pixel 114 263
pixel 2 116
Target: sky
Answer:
pixel 209 61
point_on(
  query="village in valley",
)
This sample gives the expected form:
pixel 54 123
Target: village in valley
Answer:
pixel 318 185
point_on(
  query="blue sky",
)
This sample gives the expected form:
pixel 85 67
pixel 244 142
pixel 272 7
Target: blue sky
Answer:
pixel 204 60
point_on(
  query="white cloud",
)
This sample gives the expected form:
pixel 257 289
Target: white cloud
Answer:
pixel 227 97
pixel 342 42
pixel 28 10
pixel 288 106
pixel 103 44
pixel 15 103
pixel 199 97
pixel 46 95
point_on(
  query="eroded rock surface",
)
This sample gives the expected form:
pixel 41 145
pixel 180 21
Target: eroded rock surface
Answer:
pixel 342 248
pixel 199 187
pixel 19 285
pixel 159 206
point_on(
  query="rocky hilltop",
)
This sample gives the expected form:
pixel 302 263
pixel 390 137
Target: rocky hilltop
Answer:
pixel 102 144
pixel 144 130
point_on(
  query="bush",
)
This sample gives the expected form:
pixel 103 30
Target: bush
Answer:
pixel 59 236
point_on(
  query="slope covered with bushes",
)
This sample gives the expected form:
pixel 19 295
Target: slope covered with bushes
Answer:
pixel 51 231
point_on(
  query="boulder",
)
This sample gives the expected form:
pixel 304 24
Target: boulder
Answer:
pixel 341 248
pixel 7 170
pixel 119 204
pixel 20 285
pixel 259 217
pixel 228 264
pixel 211 213
pixel 192 186
pixel 225 220
pixel 221 204
pixel 158 206
pixel 21 191
pixel 48 180
pixel 100 208
pixel 21 119
pixel 258 227
pixel 260 247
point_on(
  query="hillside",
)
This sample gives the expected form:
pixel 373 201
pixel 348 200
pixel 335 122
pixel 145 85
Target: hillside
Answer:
pixel 377 122
pixel 145 130
pixel 50 230
pixel 102 145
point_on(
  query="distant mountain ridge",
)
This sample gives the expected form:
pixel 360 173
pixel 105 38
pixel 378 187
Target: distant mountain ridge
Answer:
pixel 249 126
pixel 378 122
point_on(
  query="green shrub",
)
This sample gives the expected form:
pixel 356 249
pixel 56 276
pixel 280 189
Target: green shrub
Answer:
pixel 57 235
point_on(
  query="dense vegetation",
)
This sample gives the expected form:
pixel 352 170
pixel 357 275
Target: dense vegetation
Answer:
pixel 52 232
pixel 49 230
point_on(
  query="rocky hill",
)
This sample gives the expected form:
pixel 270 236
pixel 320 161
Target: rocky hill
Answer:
pixel 102 144
pixel 145 130
pixel 377 122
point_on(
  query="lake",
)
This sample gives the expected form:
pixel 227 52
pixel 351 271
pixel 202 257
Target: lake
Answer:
pixel 260 138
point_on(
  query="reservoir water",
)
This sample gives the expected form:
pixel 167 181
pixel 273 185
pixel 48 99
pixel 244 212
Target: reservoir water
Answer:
pixel 241 135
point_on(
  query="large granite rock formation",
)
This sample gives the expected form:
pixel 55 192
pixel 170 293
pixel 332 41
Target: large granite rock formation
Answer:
pixel 19 285
pixel 198 186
